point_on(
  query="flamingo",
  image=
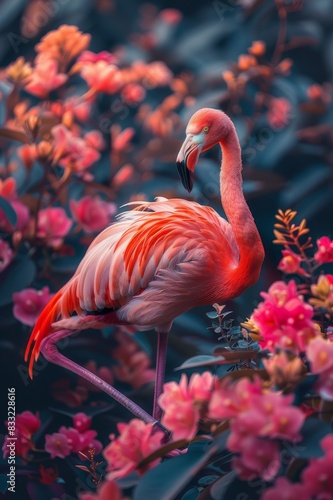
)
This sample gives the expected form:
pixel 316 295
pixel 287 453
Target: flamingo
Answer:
pixel 159 260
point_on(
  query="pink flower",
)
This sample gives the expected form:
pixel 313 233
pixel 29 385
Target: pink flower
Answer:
pixel 284 319
pixel 258 458
pixel 283 489
pixel 317 477
pixel 123 176
pixel 157 74
pixel 320 354
pixel 182 403
pixel 325 250
pixel 6 255
pixel 53 225
pixel 290 263
pixel 101 76
pixel 71 151
pixel 80 441
pixel 57 445
pixel 108 490
pixel 133 93
pixel 82 422
pixel 121 140
pixel 26 425
pixel 92 213
pixel 29 303
pixel 229 399
pixel 136 441
pixel 44 77
pixel 170 16
pixel 278 115
pixel 91 57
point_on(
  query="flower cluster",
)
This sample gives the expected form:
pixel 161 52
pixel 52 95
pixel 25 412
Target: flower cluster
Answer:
pixel 284 319
pixel 75 439
pixel 136 441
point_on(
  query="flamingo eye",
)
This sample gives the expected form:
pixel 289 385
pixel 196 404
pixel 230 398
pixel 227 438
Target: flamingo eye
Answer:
pixel 205 129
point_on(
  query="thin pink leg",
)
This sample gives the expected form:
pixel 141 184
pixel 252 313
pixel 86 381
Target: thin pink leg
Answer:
pixel 51 353
pixel 162 341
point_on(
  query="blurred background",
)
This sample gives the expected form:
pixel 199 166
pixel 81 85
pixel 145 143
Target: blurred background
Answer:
pixel 266 63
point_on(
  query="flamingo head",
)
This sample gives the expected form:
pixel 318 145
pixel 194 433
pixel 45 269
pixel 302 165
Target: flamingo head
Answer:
pixel 206 128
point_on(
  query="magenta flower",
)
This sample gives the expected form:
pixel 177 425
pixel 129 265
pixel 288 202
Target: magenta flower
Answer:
pixel 71 151
pixel 317 477
pixel 92 213
pixel 82 422
pixel 325 250
pixel 53 225
pixel 182 403
pixel 29 303
pixel 91 57
pixel 6 255
pixel 57 445
pixel 284 489
pixel 284 319
pixel 136 441
pixel 290 263
pixel 26 425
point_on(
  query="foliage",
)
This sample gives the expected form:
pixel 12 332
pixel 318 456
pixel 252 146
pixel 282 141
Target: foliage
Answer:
pixel 93 103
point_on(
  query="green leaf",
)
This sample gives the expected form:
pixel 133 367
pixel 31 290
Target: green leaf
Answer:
pixel 19 276
pixel 201 360
pixel 171 476
pixel 8 210
pixel 220 486
pixel 313 431
pixel 212 315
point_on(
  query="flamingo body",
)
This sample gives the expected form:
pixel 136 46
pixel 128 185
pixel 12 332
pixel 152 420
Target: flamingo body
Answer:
pixel 162 258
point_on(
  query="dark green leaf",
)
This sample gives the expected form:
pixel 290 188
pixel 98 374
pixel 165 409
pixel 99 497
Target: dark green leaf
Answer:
pixel 313 431
pixel 218 489
pixel 8 210
pixel 19 276
pixel 201 360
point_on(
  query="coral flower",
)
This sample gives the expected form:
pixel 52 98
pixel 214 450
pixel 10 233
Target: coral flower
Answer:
pixel 63 44
pixel 137 440
pixel 325 250
pixel 93 214
pixel 290 263
pixel 53 225
pixel 44 77
pixel 102 76
pixel 29 303
pixel 73 152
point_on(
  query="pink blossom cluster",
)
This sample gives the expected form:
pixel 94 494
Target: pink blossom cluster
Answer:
pixel 92 213
pixel 185 403
pixel 324 252
pixel 73 439
pixel 108 490
pixel 26 425
pixel 136 441
pixel 284 319
pixel 258 419
pixel 291 263
pixel 316 479
pixel 320 354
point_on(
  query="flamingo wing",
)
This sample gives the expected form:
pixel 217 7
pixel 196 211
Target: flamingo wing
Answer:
pixel 144 267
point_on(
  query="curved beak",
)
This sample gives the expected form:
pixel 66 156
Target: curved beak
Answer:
pixel 188 157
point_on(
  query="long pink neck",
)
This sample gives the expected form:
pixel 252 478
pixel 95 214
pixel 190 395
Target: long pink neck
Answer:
pixel 237 211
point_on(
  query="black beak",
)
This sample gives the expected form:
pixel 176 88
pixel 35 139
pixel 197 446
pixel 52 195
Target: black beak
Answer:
pixel 185 175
